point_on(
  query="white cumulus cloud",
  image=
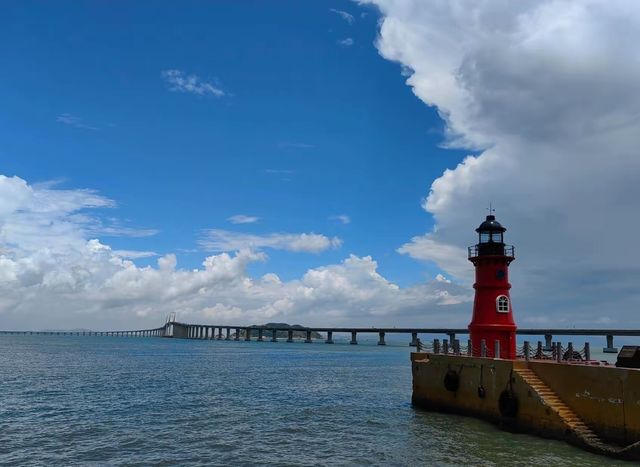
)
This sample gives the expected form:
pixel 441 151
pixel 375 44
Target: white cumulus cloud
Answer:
pixel 242 219
pixel 348 17
pixel 179 81
pixel 54 275
pixel 225 240
pixel 548 93
pixel 341 218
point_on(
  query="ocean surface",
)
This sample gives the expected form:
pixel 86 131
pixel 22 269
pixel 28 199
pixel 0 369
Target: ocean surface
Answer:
pixel 141 401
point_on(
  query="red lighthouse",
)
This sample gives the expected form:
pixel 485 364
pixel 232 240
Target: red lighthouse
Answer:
pixel 492 313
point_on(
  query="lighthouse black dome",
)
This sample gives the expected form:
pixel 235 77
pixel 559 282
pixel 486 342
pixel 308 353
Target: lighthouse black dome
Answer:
pixel 491 240
pixel 490 225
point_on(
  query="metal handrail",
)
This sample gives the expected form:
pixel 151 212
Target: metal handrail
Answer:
pixel 474 250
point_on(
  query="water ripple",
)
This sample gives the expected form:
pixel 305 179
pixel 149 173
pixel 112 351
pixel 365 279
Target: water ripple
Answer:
pixel 121 401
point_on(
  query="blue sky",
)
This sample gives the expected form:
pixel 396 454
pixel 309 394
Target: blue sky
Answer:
pixel 308 128
pixel 315 161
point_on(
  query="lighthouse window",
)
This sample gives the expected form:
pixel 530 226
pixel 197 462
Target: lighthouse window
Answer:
pixel 484 237
pixel 502 304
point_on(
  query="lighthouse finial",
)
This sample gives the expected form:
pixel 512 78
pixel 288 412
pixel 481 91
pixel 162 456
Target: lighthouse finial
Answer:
pixel 490 208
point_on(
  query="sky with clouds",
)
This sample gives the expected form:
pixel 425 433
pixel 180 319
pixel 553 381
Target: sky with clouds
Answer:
pixel 316 162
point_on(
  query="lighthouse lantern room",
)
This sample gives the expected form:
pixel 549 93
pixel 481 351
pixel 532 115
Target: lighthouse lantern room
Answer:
pixel 492 312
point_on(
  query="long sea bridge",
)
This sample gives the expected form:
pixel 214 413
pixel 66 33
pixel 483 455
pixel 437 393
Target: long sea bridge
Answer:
pixel 180 330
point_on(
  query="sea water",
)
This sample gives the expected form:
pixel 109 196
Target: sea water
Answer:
pixel 71 400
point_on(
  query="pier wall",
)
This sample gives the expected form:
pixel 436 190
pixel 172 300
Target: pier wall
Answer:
pixel 606 398
pixel 494 376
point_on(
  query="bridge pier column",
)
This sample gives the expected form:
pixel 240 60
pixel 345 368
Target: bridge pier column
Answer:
pixel 260 335
pixel 308 339
pixel 452 337
pixel 610 348
pixel 354 338
pixel 247 334
pixel 381 339
pixel 329 337
pixel 289 335
pixel 414 340
pixel 237 338
pixel 228 338
pixel 548 342
pixel 274 336
pixel 219 334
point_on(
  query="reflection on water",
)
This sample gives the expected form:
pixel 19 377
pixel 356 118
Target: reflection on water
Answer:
pixel 114 400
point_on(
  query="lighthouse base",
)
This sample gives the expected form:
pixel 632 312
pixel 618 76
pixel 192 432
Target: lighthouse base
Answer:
pixel 594 407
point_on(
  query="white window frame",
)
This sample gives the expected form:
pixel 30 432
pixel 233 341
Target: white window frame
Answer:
pixel 504 299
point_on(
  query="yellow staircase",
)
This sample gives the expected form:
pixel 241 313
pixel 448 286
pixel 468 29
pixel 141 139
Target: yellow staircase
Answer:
pixel 570 418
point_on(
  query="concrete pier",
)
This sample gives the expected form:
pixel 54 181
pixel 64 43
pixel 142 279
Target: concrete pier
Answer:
pixel 260 335
pixel 329 337
pixel 381 339
pixel 247 334
pixel 354 338
pixel 414 339
pixel 228 338
pixel 308 339
pixel 274 336
pixel 610 348
pixel 237 338
pixel 548 342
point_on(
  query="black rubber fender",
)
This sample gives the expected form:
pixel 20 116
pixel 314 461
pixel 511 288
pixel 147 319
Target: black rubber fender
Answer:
pixel 452 381
pixel 576 355
pixel 508 404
